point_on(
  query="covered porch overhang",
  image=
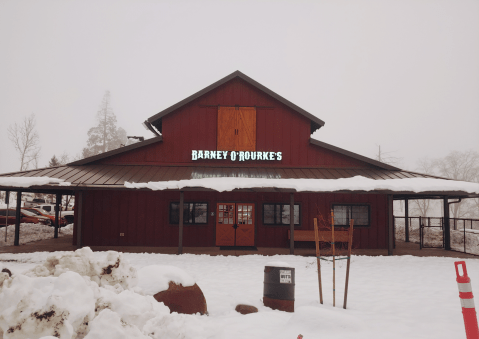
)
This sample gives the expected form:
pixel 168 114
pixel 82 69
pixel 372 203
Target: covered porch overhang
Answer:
pixel 396 185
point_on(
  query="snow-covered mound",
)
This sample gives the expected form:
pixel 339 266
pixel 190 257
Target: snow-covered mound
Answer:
pixel 112 271
pixel 74 295
pixel 155 278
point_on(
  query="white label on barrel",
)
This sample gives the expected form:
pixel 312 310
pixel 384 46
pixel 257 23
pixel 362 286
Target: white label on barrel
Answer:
pixel 285 276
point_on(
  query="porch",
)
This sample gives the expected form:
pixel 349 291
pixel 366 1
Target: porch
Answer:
pixel 65 244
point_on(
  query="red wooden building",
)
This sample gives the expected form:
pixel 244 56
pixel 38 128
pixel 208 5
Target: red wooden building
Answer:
pixel 234 128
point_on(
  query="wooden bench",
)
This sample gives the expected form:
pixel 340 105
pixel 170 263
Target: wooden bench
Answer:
pixel 325 236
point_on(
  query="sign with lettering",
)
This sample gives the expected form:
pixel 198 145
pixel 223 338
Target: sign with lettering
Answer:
pixel 236 155
pixel 285 277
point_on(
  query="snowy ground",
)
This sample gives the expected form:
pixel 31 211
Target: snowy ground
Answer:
pixel 389 297
pixel 32 232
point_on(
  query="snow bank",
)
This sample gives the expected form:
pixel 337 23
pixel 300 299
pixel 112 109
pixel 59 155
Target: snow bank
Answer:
pixel 31 181
pixel 357 183
pixel 113 271
pixel 36 307
pixel 155 278
pixel 78 295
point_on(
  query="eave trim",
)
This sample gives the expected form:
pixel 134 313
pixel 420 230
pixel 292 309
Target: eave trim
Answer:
pixel 116 151
pixel 353 155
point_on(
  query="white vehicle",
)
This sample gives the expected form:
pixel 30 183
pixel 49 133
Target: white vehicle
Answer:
pixel 34 202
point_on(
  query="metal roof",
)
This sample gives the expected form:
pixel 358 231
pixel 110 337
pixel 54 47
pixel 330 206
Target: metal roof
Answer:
pixel 113 176
pixel 117 151
pixel 155 120
pixel 353 155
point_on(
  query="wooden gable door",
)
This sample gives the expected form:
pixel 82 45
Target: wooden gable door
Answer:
pixel 236 129
pixel 229 215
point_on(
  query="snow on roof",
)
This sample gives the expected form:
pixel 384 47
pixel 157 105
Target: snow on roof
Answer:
pixel 222 184
pixel 31 181
pixel 357 183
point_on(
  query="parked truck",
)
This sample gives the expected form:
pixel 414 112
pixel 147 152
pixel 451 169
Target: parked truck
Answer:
pixel 50 209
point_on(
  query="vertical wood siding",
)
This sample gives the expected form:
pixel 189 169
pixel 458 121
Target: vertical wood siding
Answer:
pixel 143 217
pixel 194 127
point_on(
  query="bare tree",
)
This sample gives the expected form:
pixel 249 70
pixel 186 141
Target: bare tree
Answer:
pixel 64 159
pixel 462 166
pixel 387 157
pixel 26 141
pixel 105 136
pixel 421 207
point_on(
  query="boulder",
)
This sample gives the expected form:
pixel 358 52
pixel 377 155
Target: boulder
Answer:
pixel 181 299
pixel 245 309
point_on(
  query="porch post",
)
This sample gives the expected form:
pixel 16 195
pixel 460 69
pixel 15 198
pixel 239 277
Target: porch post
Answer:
pixel 447 225
pixel 7 202
pixel 58 198
pixel 406 218
pixel 79 212
pixel 390 225
pixel 16 242
pixel 291 222
pixel 180 235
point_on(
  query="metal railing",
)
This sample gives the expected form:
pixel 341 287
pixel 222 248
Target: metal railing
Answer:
pixel 428 232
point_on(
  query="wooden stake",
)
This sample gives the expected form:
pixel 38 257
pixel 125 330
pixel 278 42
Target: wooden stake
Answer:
pixel 334 262
pixel 318 261
pixel 350 245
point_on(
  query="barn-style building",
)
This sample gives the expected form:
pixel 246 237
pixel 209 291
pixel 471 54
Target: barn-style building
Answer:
pixel 234 128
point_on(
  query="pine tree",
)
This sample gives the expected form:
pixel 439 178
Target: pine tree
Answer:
pixel 105 136
pixel 53 162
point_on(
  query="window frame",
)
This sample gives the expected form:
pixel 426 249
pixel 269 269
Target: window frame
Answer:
pixel 350 214
pixel 171 221
pixel 274 214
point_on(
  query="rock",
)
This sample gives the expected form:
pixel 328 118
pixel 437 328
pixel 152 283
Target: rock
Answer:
pixel 245 309
pixel 180 299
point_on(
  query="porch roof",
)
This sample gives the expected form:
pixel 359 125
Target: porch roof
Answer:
pixel 69 178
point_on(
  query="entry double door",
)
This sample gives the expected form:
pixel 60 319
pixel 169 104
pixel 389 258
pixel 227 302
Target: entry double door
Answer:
pixel 234 224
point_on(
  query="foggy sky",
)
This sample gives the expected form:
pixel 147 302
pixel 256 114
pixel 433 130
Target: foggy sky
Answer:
pixel 400 74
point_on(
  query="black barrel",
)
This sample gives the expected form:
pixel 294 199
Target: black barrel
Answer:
pixel 278 292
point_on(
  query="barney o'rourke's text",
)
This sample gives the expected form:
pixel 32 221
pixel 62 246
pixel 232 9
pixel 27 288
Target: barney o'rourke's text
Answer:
pixel 235 155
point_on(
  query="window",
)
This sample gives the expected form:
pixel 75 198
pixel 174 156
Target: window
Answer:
pixel 344 213
pixel 236 129
pixel 11 213
pixel 278 214
pixel 193 213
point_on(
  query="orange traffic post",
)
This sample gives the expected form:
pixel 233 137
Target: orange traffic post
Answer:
pixel 467 301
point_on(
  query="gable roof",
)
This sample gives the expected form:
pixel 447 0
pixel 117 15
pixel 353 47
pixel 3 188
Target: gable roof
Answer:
pixel 156 120
pixel 353 155
pixel 116 151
